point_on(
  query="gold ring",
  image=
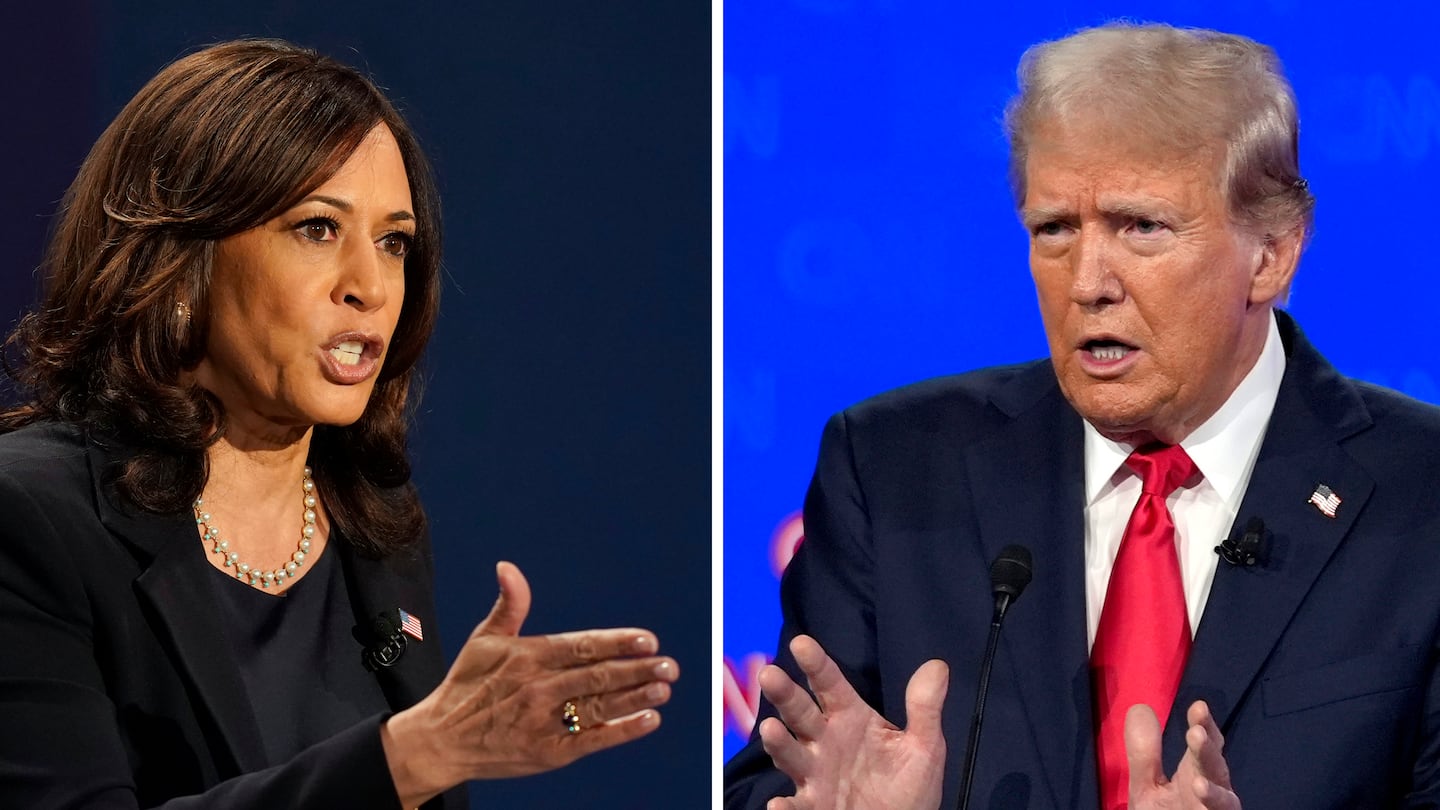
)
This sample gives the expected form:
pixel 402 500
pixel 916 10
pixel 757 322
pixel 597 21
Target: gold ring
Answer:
pixel 570 717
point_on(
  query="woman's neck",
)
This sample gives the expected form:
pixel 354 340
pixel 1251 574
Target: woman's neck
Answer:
pixel 255 497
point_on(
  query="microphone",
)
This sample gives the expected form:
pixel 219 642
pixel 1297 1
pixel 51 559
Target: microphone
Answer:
pixel 1009 575
pixel 386 643
pixel 1246 550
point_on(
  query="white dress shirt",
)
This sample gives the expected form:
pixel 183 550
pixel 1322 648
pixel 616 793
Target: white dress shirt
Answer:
pixel 1224 448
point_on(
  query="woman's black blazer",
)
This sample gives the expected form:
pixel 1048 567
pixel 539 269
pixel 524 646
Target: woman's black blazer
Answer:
pixel 117 688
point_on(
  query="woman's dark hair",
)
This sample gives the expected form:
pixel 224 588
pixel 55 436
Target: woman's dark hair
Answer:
pixel 218 143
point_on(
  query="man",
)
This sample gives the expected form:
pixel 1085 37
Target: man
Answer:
pixel 1156 171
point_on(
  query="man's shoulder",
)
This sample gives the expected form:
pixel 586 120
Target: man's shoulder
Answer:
pixel 1403 437
pixel 1393 410
pixel 957 397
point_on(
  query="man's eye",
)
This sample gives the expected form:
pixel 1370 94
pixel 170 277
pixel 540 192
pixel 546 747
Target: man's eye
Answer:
pixel 1148 226
pixel 1049 229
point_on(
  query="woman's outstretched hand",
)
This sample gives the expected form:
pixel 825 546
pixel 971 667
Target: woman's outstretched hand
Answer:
pixel 503 708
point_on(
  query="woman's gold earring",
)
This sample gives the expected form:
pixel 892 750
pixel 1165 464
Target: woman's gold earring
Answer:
pixel 182 310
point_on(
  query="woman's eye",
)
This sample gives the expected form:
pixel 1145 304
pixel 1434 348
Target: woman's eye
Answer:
pixel 319 230
pixel 396 244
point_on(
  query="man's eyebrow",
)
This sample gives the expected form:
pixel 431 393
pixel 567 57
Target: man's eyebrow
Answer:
pixel 1149 208
pixel 344 205
pixel 1040 214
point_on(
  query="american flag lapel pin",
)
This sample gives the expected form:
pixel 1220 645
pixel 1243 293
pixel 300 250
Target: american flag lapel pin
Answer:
pixel 1325 500
pixel 410 624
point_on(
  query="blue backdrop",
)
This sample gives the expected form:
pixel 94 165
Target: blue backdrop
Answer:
pixel 870 237
pixel 566 418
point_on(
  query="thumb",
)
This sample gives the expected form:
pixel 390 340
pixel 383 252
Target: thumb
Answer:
pixel 924 697
pixel 511 606
pixel 1142 750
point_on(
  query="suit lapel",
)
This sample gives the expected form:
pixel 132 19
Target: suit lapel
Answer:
pixel 1249 608
pixel 1028 481
pixel 171 587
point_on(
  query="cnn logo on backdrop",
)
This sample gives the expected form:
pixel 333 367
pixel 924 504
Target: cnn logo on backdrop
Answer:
pixel 741 698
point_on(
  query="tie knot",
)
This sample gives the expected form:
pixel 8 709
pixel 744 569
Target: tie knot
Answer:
pixel 1162 467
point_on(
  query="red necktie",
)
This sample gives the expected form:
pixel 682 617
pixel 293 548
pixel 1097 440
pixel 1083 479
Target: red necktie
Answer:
pixel 1144 633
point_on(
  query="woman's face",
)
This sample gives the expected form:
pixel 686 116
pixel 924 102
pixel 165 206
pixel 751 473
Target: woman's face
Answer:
pixel 302 308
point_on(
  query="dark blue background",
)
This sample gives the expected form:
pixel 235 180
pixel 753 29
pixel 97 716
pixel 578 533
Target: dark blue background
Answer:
pixel 871 241
pixel 565 425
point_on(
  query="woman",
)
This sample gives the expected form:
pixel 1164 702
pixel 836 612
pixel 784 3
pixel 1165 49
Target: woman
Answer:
pixel 214 571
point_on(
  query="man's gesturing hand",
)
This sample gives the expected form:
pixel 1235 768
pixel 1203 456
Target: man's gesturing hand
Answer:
pixel 1201 781
pixel 845 756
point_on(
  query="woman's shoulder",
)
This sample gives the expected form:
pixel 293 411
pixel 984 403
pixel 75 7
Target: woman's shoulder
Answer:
pixel 45 456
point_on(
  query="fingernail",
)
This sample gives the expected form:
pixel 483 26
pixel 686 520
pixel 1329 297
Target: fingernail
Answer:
pixel 663 670
pixel 650 719
pixel 655 691
pixel 645 644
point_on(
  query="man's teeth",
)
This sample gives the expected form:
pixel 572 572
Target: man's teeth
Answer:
pixel 348 353
pixel 1109 353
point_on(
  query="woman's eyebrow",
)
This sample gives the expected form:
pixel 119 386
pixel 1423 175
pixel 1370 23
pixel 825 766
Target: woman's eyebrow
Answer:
pixel 347 207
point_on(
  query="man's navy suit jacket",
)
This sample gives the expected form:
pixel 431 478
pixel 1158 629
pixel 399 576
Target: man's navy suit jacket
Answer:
pixel 1319 662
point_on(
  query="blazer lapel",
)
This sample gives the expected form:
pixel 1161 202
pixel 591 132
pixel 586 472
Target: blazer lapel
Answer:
pixel 377 586
pixel 1028 481
pixel 184 611
pixel 1249 608
pixel 401 580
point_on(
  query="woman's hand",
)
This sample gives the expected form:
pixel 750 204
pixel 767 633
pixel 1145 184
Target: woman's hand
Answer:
pixel 501 709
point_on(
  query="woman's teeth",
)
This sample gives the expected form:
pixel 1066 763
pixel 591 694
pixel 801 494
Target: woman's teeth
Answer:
pixel 349 352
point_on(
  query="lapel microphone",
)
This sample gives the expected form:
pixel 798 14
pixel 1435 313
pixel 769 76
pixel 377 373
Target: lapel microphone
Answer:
pixel 1247 550
pixel 386 642
pixel 1009 575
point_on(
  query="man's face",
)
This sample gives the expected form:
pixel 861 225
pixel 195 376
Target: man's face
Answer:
pixel 1155 304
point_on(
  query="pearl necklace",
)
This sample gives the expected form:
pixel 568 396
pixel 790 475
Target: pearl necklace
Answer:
pixel 244 571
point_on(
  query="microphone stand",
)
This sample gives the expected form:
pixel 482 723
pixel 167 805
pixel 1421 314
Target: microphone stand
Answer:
pixel 972 747
pixel 1009 575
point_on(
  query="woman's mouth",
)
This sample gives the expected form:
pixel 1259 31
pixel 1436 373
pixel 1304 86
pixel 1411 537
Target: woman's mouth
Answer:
pixel 352 357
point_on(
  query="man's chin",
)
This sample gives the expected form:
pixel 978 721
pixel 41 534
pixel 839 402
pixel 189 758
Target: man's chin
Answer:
pixel 1125 422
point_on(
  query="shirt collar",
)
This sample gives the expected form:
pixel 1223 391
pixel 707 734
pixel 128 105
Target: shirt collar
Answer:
pixel 1224 447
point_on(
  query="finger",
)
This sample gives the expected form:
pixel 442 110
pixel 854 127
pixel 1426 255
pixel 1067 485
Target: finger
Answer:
pixel 611 676
pixel 785 803
pixel 1142 749
pixel 597 709
pixel 831 689
pixel 797 709
pixel 582 647
pixel 511 606
pixel 1206 744
pixel 1214 797
pixel 924 698
pixel 788 753
pixel 609 735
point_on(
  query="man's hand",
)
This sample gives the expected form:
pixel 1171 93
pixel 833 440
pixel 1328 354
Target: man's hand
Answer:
pixel 1201 781
pixel 845 756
